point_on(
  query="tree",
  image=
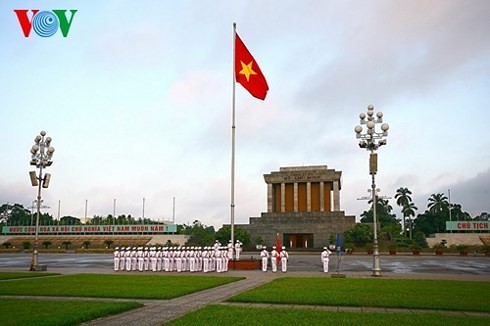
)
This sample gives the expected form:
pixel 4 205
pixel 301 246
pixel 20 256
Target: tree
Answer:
pixel 409 212
pixel 86 244
pixel 457 213
pixel 404 200
pixel 484 216
pixel 360 233
pixel 433 220
pixel 66 244
pixel 429 223
pixel 200 234
pixel 108 243
pixel 6 244
pixel 438 203
pixel 383 213
pixel 46 244
pixel 224 235
pixel 70 220
pixel 14 214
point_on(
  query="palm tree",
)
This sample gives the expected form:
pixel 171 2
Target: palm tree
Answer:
pixel 437 203
pixel 409 211
pixel 403 196
pixel 404 200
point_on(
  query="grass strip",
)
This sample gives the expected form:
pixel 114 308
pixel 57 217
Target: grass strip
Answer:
pixel 237 316
pixel 27 312
pixel 393 293
pixel 16 275
pixel 115 286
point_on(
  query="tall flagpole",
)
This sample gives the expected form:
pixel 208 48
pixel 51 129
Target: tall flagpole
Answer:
pixel 232 204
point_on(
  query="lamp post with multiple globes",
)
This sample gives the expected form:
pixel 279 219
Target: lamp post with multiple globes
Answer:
pixel 371 140
pixel 41 154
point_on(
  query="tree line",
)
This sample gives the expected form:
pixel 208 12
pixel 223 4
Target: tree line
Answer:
pixel 411 226
pixel 199 234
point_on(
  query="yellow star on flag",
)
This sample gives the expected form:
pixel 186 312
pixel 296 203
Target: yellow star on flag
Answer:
pixel 247 70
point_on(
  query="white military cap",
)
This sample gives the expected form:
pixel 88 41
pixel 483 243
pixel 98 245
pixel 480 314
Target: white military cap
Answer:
pixel 273 247
pixel 283 247
pixel 264 247
pixel 117 248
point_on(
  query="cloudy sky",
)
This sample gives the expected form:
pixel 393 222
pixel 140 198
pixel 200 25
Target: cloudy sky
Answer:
pixel 138 97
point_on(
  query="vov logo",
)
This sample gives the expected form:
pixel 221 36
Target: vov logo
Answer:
pixel 45 23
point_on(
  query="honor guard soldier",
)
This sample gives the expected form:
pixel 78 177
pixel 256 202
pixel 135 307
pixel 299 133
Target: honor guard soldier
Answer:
pixel 153 259
pixel 238 249
pixel 284 259
pixel 159 259
pixel 134 259
pixel 230 250
pixel 325 257
pixel 146 256
pixel 127 257
pixel 274 255
pixel 116 259
pixel 264 254
pixel 141 259
pixel 122 259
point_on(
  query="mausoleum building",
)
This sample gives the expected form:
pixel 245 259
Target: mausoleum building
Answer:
pixel 303 207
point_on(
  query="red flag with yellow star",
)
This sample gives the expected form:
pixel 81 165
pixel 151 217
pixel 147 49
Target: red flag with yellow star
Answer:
pixel 247 71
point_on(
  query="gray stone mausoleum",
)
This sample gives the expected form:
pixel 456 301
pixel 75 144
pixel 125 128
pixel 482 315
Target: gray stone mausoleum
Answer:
pixel 303 207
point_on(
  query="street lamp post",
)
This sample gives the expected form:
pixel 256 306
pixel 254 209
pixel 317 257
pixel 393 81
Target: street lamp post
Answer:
pixel 371 140
pixel 42 153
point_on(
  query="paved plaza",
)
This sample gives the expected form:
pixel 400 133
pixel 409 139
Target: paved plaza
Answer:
pixel 156 312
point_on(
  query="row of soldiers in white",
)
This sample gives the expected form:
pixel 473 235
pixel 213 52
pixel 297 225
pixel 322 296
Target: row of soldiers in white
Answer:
pixel 179 259
pixel 283 256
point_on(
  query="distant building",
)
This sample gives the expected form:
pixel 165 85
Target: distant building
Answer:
pixel 303 207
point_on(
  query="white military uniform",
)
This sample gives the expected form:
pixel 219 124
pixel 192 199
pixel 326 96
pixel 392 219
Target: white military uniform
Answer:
pixel 141 259
pixel 238 249
pixel 127 256
pixel 205 260
pixel 159 259
pixel 122 259
pixel 146 256
pixel 153 259
pixel 166 260
pixel 134 259
pixel 265 257
pixel 325 258
pixel 284 259
pixel 230 250
pixel 274 255
pixel 116 259
pixel 219 260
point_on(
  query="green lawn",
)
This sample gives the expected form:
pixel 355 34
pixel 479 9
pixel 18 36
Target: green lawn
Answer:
pixel 237 316
pixel 421 294
pixel 15 275
pixel 114 286
pixel 27 312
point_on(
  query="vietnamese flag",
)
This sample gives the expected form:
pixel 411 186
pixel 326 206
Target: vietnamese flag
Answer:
pixel 278 248
pixel 247 71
